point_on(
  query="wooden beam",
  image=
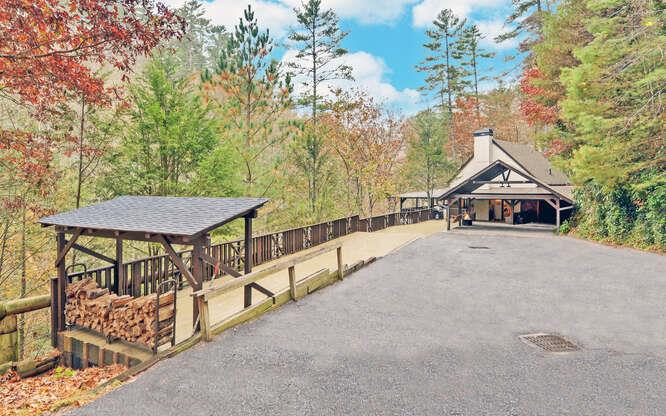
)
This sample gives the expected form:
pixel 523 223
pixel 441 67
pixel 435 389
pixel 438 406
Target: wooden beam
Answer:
pixel 551 203
pixel 292 283
pixel 61 286
pixel 63 252
pixel 119 282
pixel 197 275
pixel 566 208
pixel 93 253
pixel 214 291
pixel 210 260
pixel 128 235
pixel 261 289
pixel 177 261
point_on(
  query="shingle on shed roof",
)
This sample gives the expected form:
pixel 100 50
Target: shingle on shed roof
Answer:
pixel 182 216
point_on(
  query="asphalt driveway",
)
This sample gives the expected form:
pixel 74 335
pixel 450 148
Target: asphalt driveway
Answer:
pixel 433 330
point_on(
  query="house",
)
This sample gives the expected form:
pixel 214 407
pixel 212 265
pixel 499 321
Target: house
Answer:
pixel 504 181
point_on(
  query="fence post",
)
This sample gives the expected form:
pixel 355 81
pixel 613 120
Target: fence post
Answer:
pixel 292 283
pixel 341 270
pixel 204 318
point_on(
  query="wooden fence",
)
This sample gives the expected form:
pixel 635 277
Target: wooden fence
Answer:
pixel 146 274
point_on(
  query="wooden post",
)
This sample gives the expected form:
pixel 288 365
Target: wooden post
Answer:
pixel 197 274
pixel 448 217
pixel 402 201
pixel 204 319
pixel 85 355
pixel 248 258
pixel 62 285
pixel 119 272
pixel 54 312
pixel 292 283
pixel 341 267
pixel 557 210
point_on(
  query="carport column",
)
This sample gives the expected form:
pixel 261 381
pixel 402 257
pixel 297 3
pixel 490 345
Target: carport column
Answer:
pixel 557 210
pixel 448 217
pixel 248 256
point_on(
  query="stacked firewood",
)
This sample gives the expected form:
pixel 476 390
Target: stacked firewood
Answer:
pixel 124 317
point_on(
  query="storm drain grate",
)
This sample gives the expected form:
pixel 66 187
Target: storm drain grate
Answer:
pixel 479 247
pixel 550 342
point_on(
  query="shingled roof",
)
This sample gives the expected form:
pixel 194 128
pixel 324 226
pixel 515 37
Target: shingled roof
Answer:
pixel 533 162
pixel 180 216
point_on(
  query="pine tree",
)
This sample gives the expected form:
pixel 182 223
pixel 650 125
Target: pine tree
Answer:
pixel 471 53
pixel 526 19
pixel 254 94
pixel 202 42
pixel 318 40
pixel 444 76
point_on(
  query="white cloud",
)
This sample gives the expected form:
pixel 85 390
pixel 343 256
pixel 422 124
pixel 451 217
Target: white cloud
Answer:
pixel 276 16
pixel 491 29
pixel 364 11
pixel 369 73
pixel 427 10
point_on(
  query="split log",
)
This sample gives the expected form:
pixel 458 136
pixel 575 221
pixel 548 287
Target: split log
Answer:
pixel 124 317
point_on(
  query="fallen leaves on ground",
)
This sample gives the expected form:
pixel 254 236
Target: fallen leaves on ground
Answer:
pixel 38 394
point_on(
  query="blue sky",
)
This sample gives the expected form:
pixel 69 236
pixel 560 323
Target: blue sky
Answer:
pixel 385 40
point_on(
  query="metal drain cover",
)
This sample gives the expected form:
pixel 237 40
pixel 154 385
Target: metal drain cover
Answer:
pixel 479 247
pixel 550 342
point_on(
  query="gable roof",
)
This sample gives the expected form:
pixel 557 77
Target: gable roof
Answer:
pixel 533 162
pixel 181 216
pixel 495 169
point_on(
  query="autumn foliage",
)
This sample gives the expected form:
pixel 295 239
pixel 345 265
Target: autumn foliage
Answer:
pixel 534 96
pixel 35 395
pixel 51 48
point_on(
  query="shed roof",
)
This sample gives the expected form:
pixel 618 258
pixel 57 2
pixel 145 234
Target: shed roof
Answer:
pixel 180 216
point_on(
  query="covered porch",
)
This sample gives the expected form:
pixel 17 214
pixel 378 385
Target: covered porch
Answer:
pixel 502 193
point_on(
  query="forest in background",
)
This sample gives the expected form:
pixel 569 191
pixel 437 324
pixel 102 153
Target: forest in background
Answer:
pixel 130 97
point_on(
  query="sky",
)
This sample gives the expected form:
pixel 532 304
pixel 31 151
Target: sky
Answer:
pixel 385 39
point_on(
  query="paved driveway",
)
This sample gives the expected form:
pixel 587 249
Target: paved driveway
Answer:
pixel 433 330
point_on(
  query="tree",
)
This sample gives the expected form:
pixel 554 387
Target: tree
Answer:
pixel 368 140
pixel 202 43
pixel 525 20
pixel 49 47
pixel 254 95
pixel 598 88
pixel 318 40
pixel 427 165
pixel 471 53
pixel 169 132
pixel 443 75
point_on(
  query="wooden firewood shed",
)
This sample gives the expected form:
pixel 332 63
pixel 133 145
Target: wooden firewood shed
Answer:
pixel 168 221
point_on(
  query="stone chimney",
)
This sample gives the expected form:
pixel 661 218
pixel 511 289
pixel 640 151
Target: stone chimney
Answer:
pixel 483 146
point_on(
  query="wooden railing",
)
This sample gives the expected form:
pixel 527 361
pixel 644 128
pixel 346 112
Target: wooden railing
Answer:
pixel 202 297
pixel 146 274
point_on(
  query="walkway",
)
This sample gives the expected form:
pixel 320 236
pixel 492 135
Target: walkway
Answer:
pixel 356 246
pixel 432 329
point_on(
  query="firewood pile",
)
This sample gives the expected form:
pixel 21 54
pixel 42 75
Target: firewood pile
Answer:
pixel 124 317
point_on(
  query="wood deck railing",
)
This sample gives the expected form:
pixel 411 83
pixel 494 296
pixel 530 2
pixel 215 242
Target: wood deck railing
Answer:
pixel 203 296
pixel 146 274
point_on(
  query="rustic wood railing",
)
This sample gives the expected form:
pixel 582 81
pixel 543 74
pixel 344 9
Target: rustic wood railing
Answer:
pixel 146 274
pixel 203 296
